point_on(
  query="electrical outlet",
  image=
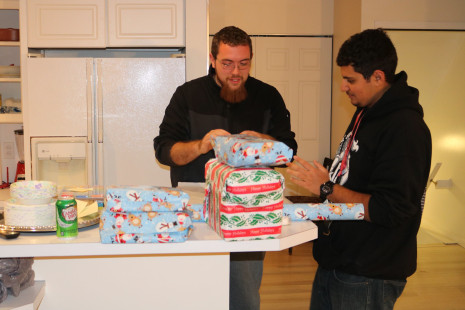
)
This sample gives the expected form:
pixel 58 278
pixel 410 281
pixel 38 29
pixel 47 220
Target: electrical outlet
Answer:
pixel 8 150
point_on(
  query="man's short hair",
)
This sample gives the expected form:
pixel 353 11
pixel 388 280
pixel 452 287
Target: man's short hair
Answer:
pixel 368 51
pixel 232 36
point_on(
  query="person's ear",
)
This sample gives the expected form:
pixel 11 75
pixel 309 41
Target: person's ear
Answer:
pixel 379 76
pixel 212 60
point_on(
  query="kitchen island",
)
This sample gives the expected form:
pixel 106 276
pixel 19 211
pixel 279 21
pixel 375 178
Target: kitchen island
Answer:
pixel 85 274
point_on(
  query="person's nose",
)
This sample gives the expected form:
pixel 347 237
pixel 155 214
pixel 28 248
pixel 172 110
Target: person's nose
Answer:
pixel 235 70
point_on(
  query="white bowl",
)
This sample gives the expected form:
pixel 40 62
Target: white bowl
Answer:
pixel 33 192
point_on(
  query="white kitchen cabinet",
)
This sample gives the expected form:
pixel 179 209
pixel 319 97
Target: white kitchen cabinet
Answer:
pixel 66 23
pixel 100 23
pixel 146 23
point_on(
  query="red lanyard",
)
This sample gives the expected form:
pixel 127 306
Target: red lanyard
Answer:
pixel 358 120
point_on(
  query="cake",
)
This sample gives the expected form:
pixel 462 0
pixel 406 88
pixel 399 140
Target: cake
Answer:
pixel 20 215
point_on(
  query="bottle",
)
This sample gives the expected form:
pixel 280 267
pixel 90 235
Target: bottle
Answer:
pixel 67 220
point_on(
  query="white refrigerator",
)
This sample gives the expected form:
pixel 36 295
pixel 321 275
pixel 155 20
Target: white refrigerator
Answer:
pixel 93 120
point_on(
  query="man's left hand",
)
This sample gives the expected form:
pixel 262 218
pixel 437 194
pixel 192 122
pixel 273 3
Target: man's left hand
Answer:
pixel 309 176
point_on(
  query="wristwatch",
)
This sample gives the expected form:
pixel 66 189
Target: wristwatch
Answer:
pixel 326 189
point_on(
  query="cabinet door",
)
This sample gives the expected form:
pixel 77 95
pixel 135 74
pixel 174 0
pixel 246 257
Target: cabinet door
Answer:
pixel 146 23
pixel 66 23
pixel 58 96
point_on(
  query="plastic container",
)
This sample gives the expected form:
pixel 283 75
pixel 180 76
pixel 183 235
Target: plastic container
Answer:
pixel 9 34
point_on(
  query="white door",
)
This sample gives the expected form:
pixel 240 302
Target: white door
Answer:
pixel 300 68
pixel 134 95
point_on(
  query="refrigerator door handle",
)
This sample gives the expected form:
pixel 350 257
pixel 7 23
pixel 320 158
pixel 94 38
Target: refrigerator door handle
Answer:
pixel 89 99
pixel 99 117
pixel 99 102
pixel 91 180
pixel 100 167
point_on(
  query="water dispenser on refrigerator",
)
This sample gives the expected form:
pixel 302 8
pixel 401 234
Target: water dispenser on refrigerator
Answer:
pixel 63 160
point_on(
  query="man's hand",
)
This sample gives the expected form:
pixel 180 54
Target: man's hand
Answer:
pixel 183 153
pixel 205 145
pixel 257 134
pixel 309 176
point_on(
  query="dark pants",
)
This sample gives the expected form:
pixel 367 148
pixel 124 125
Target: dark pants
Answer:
pixel 245 277
pixel 336 290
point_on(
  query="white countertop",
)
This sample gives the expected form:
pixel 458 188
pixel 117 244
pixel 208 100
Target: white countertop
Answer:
pixel 202 240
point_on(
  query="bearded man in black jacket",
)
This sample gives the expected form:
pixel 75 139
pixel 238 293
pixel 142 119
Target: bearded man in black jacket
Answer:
pixel 382 162
pixel 226 101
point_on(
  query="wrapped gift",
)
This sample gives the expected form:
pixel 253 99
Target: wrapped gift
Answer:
pixel 324 211
pixel 145 222
pixel 110 236
pixel 145 198
pixel 248 151
pixel 196 212
pixel 243 203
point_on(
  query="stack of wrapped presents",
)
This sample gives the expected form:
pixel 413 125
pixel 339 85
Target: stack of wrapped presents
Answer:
pixel 145 214
pixel 244 196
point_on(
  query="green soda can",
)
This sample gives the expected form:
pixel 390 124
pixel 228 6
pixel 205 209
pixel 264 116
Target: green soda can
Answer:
pixel 67 220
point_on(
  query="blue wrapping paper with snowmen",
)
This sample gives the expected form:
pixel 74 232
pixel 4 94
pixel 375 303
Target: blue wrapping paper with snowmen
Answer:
pixel 145 222
pixel 302 211
pixel 324 211
pixel 145 198
pixel 109 236
pixel 248 151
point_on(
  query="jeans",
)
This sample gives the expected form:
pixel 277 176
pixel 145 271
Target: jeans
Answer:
pixel 336 290
pixel 245 277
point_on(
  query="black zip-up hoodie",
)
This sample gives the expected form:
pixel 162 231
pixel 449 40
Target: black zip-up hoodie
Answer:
pixel 390 159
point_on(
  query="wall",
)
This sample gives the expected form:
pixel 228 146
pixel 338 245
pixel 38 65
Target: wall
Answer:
pixel 346 22
pixel 291 17
pixel 413 14
pixel 440 83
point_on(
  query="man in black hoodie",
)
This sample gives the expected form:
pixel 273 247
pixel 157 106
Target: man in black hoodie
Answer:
pixel 383 162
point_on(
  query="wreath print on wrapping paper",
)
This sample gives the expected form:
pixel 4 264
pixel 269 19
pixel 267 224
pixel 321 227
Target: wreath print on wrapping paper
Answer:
pixel 237 221
pixel 254 200
pixel 255 177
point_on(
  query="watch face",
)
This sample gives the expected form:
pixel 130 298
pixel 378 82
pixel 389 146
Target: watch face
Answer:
pixel 326 189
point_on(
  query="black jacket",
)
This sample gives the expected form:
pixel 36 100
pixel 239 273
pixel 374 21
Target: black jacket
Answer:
pixel 196 108
pixel 390 159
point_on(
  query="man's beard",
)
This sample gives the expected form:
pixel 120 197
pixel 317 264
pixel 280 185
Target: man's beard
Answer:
pixel 233 95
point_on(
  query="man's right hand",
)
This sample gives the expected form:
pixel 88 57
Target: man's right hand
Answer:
pixel 183 153
pixel 205 145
